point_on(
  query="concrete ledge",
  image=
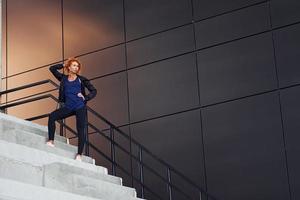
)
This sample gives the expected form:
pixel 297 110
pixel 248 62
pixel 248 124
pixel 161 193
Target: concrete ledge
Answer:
pixel 39 158
pixel 39 142
pixel 20 171
pixel 79 184
pixel 8 122
pixel 31 170
pixel 13 190
pixel 36 175
pixel 61 169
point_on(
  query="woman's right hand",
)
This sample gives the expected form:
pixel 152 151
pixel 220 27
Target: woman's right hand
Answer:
pixel 81 95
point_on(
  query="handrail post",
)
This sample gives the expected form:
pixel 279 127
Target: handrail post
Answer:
pixel 112 150
pixel 131 163
pixel 141 170
pixel 169 183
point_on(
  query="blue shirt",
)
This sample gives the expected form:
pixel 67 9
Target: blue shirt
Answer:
pixel 72 88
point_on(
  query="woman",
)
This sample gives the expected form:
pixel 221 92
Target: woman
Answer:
pixel 73 100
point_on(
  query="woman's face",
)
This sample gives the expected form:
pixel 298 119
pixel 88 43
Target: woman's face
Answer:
pixel 74 67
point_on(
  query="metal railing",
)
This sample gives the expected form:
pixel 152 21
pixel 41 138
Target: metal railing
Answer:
pixel 142 151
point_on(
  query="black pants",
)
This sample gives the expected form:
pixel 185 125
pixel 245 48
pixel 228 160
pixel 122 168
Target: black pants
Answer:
pixel 64 112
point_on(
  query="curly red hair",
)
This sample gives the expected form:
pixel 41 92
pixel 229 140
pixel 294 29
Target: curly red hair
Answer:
pixel 70 61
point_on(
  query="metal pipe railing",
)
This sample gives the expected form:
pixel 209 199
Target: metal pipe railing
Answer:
pixel 111 139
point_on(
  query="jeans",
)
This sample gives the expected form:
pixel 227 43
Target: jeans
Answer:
pixel 64 112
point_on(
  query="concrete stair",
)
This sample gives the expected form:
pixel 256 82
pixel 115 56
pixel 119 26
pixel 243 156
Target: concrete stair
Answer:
pixel 29 169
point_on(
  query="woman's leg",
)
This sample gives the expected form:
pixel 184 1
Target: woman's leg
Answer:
pixel 58 114
pixel 80 124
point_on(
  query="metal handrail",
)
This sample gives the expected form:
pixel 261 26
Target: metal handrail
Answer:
pixel 99 151
pixel 142 149
pixel 28 86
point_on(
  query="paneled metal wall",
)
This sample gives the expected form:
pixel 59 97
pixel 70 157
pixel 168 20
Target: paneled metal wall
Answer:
pixel 211 86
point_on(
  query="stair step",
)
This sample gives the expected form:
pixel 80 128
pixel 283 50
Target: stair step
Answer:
pixel 79 184
pixel 13 190
pixel 39 142
pixel 40 158
pixel 8 122
pixel 58 169
pixel 64 180
pixel 20 171
pixel 64 177
pixel 28 173
pixel 31 170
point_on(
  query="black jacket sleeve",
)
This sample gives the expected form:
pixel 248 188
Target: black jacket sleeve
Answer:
pixel 54 70
pixel 92 90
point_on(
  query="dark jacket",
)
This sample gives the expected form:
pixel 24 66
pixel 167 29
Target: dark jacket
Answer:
pixel 85 83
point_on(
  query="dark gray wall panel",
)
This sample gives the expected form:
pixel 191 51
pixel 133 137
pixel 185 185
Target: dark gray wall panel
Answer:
pixel 287 51
pixel 285 12
pixel 176 139
pixel 147 17
pixel 164 87
pixel 233 25
pixel 111 100
pixel 160 46
pixel 244 149
pixel 92 24
pixel 103 62
pixel 291 118
pixel 237 69
pixel 204 8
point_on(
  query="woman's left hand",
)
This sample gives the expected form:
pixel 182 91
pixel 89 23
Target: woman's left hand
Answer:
pixel 80 95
